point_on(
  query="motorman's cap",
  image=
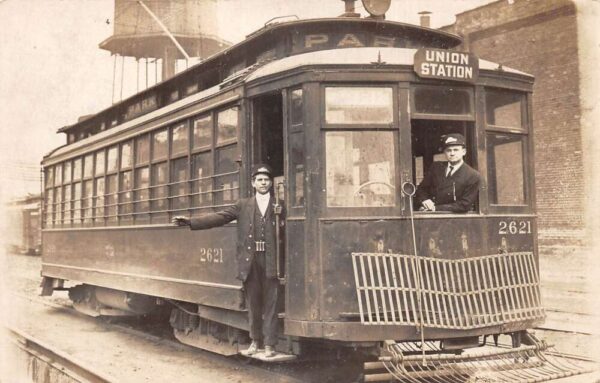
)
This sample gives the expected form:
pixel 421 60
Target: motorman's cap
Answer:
pixel 262 169
pixel 452 139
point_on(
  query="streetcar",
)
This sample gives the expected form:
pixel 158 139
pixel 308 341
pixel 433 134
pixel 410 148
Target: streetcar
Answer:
pixel 349 112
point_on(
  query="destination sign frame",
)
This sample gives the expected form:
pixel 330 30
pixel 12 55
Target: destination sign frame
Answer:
pixel 442 64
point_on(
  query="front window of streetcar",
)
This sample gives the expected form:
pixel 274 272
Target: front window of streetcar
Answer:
pixel 506 145
pixel 360 147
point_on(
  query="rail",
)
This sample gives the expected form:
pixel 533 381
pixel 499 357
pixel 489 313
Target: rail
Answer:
pixel 66 364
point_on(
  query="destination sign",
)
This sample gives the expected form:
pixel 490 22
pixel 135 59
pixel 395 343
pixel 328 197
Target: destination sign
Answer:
pixel 446 65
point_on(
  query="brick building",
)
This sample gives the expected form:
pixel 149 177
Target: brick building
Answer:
pixel 541 37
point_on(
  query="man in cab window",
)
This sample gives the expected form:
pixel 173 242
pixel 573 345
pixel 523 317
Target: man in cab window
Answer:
pixel 255 256
pixel 451 185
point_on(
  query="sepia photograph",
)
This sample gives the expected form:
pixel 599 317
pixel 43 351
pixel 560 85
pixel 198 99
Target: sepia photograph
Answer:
pixel 348 191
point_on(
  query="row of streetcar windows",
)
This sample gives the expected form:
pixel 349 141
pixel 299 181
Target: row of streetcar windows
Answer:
pixel 187 168
pixel 191 167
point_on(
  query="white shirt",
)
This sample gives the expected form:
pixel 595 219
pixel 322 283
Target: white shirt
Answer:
pixel 454 168
pixel 262 200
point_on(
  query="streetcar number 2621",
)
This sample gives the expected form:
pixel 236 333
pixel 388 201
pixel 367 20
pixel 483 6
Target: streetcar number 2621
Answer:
pixel 514 227
pixel 213 255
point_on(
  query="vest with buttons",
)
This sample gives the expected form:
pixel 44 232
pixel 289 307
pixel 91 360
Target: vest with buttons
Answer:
pixel 260 224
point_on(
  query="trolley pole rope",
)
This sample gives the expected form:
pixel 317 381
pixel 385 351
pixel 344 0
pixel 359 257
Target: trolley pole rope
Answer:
pixel 421 326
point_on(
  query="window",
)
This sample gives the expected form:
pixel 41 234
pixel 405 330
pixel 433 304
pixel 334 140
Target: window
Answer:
pixel 99 202
pixel 226 177
pixel 193 88
pixel 201 180
pixel 427 143
pixel 360 169
pixel 88 166
pixel 58 175
pixel 49 197
pixel 506 166
pixel 442 100
pixel 77 204
pixel 227 122
pixel 111 198
pixel 100 165
pixel 67 172
pixel 49 207
pixel 297 169
pixel 49 177
pixel 296 107
pixel 159 145
pixel 358 105
pixel 504 108
pixel 67 205
pixel 506 144
pixel 112 159
pixel 174 96
pixel 126 155
pixel 88 195
pixel 77 169
pixel 179 178
pixel 179 141
pixel 142 150
pixel 203 132
pixel 159 192
pixel 58 206
pixel 296 149
pixel 125 206
pixel 142 194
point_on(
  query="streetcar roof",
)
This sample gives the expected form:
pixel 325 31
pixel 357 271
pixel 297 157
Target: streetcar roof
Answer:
pixel 136 121
pixel 357 56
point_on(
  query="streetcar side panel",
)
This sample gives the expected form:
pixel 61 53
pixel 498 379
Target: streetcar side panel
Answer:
pixel 166 262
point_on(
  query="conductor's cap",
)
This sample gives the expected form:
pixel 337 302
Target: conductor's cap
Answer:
pixel 452 140
pixel 262 169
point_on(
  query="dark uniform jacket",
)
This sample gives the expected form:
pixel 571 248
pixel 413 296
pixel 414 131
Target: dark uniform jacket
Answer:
pixel 244 211
pixel 457 193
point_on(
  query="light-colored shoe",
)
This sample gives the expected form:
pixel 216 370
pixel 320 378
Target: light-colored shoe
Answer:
pixel 269 352
pixel 253 349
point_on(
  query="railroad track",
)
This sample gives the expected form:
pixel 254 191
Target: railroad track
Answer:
pixel 52 362
pixel 277 373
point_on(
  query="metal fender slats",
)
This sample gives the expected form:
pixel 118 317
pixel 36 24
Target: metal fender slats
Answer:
pixel 454 294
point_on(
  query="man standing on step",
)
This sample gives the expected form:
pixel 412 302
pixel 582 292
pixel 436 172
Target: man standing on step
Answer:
pixel 256 254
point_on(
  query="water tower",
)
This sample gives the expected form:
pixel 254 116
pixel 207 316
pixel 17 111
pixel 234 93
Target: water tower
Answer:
pixel 157 34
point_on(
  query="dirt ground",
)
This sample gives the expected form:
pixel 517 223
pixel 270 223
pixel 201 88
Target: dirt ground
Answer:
pixel 569 287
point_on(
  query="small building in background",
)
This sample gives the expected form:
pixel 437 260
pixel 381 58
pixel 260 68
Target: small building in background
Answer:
pixel 23 224
pixel 542 37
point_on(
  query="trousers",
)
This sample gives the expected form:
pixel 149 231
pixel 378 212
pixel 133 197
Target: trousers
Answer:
pixel 261 299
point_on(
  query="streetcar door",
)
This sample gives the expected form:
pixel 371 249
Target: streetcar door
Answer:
pixel 267 133
pixel 267 146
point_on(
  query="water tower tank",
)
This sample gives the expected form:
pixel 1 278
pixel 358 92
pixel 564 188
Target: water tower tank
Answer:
pixel 154 28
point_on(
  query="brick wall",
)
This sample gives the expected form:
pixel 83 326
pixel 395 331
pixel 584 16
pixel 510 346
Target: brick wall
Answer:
pixel 540 37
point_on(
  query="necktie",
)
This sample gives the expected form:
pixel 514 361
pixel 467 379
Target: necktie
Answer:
pixel 450 168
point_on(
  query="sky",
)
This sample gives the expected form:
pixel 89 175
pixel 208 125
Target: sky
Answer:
pixel 52 71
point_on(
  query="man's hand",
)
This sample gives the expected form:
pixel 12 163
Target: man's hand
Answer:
pixel 180 221
pixel 429 205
